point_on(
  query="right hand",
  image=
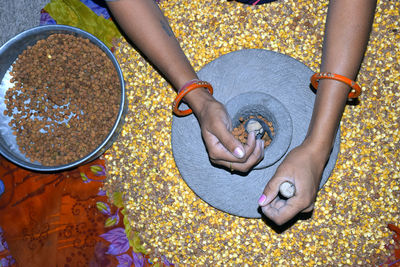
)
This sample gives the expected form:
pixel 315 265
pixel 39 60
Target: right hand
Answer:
pixel 303 167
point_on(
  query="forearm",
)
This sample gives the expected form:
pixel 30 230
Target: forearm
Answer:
pixel 147 27
pixel 149 30
pixel 346 36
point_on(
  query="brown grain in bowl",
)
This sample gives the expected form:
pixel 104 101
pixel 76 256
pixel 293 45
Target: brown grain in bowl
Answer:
pixel 65 99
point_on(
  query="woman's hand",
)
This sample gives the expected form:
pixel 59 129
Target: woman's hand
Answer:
pixel 345 41
pixel 216 127
pixel 303 168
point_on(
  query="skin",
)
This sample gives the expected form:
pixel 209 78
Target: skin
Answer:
pixel 346 38
pixel 146 26
pixel 345 42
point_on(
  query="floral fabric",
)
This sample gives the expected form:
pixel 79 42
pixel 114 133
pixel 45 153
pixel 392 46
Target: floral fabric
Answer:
pixel 64 219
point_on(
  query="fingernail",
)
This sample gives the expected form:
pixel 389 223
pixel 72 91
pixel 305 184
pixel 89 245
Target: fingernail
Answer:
pixel 261 200
pixel 238 152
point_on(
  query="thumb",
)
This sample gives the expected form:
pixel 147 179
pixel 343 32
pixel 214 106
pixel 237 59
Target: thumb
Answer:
pixel 233 145
pixel 271 191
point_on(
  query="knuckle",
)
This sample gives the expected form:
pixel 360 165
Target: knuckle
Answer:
pixel 243 168
pixel 279 221
pixel 305 203
pixel 212 155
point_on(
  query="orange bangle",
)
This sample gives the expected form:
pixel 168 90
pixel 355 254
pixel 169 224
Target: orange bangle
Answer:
pixel 185 91
pixel 355 88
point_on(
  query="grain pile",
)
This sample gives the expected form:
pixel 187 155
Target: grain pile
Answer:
pixel 64 100
pixel 348 226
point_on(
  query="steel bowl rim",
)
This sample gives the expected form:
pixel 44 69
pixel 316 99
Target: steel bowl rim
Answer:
pixel 119 119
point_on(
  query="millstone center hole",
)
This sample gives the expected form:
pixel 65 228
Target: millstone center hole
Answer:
pixel 255 119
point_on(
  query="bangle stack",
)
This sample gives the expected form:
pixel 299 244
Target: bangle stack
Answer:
pixel 186 88
pixel 355 88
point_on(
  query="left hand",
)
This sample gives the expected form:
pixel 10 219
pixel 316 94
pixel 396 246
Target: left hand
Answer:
pixel 216 129
pixel 302 167
pixel 223 148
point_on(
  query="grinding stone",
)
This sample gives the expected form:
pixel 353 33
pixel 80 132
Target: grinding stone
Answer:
pixel 244 71
pixel 258 103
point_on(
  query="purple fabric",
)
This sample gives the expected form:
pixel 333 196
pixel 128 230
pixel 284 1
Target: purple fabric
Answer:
pixel 46 19
pixel 7 260
pixel 97 6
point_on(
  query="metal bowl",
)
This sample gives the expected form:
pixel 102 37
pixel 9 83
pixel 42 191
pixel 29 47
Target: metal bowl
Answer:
pixel 9 53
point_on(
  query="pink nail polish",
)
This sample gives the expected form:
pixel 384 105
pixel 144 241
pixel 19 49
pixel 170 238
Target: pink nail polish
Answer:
pixel 238 152
pixel 262 199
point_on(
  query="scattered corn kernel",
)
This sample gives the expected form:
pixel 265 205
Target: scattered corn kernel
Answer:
pixel 352 210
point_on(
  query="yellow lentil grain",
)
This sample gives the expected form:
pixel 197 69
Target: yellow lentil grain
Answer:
pixel 352 210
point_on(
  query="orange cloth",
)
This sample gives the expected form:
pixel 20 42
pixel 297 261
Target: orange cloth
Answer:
pixel 52 219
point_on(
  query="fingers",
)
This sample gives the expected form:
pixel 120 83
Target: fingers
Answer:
pixel 223 146
pixel 280 210
pixel 309 208
pixel 271 191
pixel 253 159
pixel 275 208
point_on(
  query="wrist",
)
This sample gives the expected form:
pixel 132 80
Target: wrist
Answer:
pixel 192 93
pixel 196 99
pixel 320 148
